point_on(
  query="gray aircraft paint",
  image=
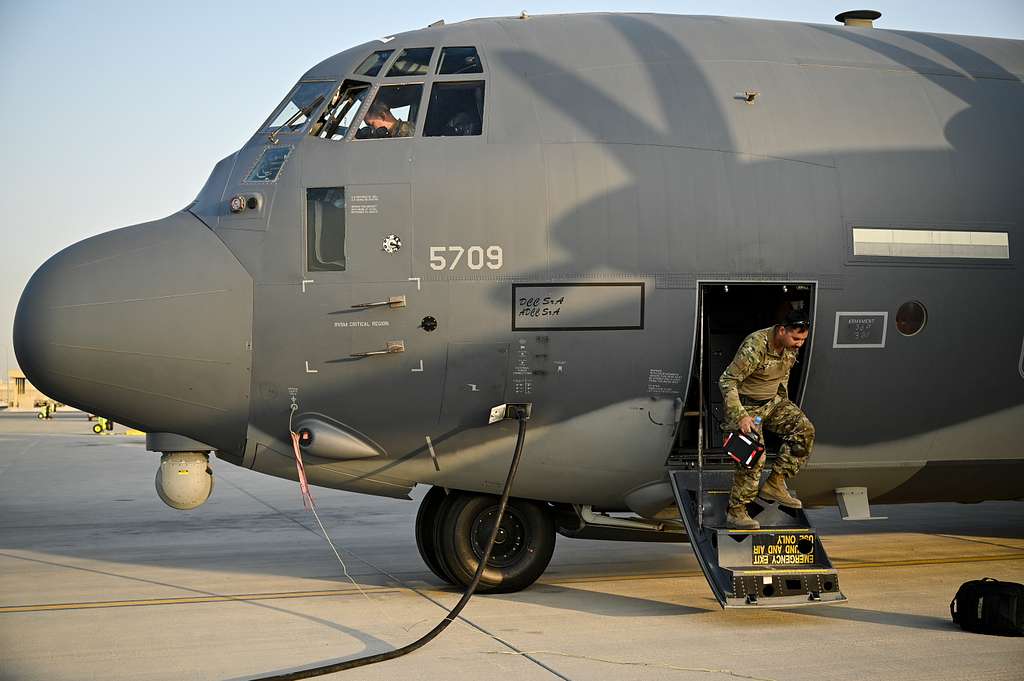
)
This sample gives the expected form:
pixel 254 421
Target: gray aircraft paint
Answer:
pixel 615 149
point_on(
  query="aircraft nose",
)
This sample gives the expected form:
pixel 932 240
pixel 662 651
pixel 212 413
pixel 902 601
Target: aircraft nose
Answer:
pixel 147 325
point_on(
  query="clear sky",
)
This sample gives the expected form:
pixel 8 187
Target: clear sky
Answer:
pixel 114 112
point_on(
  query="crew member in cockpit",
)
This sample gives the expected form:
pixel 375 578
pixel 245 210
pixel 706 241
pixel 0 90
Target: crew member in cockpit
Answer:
pixel 380 122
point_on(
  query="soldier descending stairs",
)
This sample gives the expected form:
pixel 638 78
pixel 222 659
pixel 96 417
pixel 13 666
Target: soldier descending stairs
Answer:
pixel 754 386
pixel 756 546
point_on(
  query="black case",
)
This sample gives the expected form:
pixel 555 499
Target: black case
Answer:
pixel 988 606
pixel 746 450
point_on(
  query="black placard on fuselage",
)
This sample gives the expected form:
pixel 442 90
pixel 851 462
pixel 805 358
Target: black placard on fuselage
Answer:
pixel 860 329
pixel 578 307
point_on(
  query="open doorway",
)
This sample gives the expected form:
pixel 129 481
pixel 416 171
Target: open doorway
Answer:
pixel 730 311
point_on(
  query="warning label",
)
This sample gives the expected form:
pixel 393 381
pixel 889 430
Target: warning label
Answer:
pixel 663 382
pixel 783 549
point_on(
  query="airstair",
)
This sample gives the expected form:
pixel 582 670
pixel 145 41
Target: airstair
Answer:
pixel 783 564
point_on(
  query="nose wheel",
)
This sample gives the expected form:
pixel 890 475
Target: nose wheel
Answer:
pixel 452 531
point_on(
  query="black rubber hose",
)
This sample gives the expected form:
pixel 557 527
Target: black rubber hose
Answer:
pixel 450 617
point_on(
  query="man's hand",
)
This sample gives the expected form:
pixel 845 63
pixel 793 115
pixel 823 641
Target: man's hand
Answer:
pixel 746 424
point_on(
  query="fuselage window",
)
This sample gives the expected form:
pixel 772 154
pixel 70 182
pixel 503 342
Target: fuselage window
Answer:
pixel 459 60
pixel 393 113
pixel 930 243
pixel 911 318
pixel 456 110
pixel 294 113
pixel 411 62
pixel 338 116
pixel 325 229
pixel 371 66
pixel 269 164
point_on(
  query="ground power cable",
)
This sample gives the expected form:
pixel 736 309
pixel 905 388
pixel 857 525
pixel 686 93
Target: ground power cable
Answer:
pixel 311 672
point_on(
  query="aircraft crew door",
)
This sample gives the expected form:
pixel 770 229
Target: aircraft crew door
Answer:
pixel 731 311
pixel 391 350
pixel 379 232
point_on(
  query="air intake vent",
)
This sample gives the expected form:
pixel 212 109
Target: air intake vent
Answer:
pixel 858 17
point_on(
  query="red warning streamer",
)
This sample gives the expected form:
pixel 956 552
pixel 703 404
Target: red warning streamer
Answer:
pixel 307 498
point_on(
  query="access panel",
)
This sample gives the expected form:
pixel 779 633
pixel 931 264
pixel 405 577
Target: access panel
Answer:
pixel 379 232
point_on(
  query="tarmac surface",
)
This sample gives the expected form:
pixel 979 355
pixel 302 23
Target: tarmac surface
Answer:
pixel 100 580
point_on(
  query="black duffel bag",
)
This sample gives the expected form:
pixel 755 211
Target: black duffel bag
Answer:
pixel 988 606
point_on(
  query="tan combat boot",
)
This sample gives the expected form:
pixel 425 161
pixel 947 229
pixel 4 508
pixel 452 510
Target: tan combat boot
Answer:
pixel 775 490
pixel 737 518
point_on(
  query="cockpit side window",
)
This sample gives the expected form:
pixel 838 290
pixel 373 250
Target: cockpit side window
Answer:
pixel 456 60
pixel 455 110
pixel 413 61
pixel 325 229
pixel 295 112
pixel 393 112
pixel 371 65
pixel 336 119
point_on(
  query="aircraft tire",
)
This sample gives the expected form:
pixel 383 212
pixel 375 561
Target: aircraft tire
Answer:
pixel 437 535
pixel 521 553
pixel 427 520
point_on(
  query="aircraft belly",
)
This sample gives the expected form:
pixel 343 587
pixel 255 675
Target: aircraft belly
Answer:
pixel 593 458
pixel 975 455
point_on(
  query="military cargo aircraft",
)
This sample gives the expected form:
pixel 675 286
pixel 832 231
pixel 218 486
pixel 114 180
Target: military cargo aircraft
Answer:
pixel 584 214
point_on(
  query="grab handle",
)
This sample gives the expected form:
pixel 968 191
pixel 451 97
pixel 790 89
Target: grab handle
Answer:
pixel 392 302
pixel 391 348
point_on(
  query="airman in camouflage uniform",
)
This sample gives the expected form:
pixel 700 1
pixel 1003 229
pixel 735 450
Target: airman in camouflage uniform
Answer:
pixel 382 123
pixel 754 384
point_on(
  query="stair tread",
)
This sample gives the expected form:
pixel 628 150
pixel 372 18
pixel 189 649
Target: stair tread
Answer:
pixel 774 529
pixel 782 570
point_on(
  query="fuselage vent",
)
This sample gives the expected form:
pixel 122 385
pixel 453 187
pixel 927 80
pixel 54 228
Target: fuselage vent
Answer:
pixel 859 17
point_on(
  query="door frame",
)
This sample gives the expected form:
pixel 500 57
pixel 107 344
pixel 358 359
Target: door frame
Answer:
pixel 699 301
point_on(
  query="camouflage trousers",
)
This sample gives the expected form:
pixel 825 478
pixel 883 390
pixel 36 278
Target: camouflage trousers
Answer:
pixel 786 420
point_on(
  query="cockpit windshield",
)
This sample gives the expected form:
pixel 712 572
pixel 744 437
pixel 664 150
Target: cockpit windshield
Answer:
pixel 393 113
pixel 295 113
pixel 372 64
pixel 338 116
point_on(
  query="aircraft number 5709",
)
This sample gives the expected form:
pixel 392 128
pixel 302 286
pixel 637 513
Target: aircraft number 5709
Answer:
pixel 476 257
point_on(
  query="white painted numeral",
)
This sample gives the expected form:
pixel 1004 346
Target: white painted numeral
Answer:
pixel 459 250
pixel 475 257
pixel 495 258
pixel 437 261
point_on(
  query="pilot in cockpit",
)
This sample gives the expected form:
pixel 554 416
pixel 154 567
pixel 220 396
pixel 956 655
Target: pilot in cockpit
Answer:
pixel 380 122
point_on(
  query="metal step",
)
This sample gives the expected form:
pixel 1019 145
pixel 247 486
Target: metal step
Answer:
pixel 783 564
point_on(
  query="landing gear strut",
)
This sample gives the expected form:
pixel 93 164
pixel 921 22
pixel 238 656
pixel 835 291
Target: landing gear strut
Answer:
pixel 452 531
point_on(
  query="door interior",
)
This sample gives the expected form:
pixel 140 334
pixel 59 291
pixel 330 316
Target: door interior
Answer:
pixel 727 312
